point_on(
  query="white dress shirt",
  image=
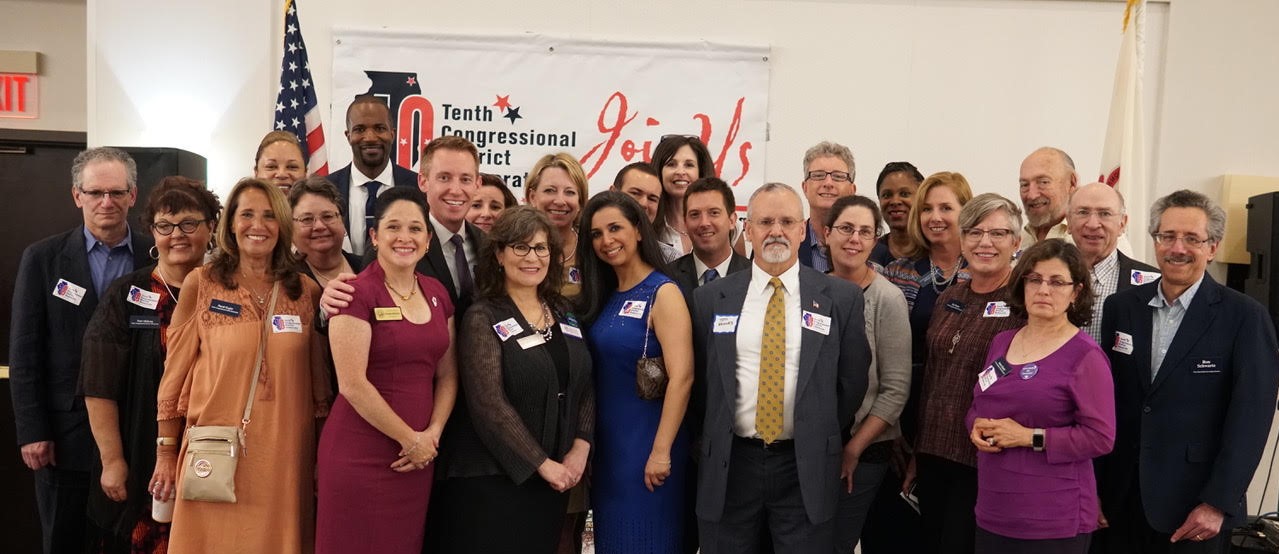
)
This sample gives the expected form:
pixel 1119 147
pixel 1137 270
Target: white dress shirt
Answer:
pixel 722 268
pixel 358 195
pixel 750 335
pixel 447 248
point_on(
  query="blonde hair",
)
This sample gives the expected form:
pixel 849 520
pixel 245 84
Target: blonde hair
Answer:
pixel 949 179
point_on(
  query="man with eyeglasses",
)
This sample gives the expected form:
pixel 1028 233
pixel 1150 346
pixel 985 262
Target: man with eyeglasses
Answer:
pixel 371 172
pixel 1096 219
pixel 783 351
pixel 829 171
pixel 59 282
pixel 1196 371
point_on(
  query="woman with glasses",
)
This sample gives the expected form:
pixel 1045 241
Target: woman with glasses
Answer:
pixel 279 160
pixel 852 226
pixel 1043 408
pixel 968 315
pixel 681 160
pixel 526 373
pixel 123 359
pixel 896 188
pixel 318 231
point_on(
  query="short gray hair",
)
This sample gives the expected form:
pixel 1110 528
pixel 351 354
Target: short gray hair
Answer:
pixel 985 204
pixel 103 154
pixel 1191 199
pixel 827 148
pixel 770 187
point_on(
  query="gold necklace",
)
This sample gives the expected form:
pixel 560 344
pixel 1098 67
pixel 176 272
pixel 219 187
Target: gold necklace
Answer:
pixel 260 298
pixel 404 297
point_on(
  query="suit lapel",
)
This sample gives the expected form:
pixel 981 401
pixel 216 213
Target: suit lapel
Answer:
pixel 730 301
pixel 439 269
pixel 75 268
pixel 813 298
pixel 737 263
pixel 1198 319
pixel 342 180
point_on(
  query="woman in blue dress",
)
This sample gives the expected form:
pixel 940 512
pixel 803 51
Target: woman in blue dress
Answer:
pixel 641 452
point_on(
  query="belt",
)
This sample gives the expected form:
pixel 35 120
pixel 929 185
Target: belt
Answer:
pixel 788 444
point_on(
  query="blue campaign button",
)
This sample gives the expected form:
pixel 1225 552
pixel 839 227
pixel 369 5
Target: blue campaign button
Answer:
pixel 1028 371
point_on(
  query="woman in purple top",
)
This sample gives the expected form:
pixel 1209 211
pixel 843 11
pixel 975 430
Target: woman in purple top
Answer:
pixel 1043 408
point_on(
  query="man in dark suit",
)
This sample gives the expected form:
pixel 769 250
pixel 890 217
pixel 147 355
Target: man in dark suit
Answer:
pixel 784 356
pixel 59 282
pixel 709 211
pixel 368 129
pixel 1096 219
pixel 1196 371
pixel 829 173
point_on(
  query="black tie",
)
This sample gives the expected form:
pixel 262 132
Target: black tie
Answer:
pixel 370 205
pixel 464 281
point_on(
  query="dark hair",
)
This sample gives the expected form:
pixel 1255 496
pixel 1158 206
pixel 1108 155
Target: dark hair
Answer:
pixel 712 184
pixel 449 142
pixel 663 152
pixel 898 167
pixel 176 193
pixel 844 202
pixel 1080 311
pixel 517 225
pixel 395 194
pixel 491 180
pixel 599 281
pixel 642 167
pixel 226 259
pixel 318 186
pixel 366 99
pixel 274 137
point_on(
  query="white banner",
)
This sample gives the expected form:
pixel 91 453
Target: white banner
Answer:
pixel 520 97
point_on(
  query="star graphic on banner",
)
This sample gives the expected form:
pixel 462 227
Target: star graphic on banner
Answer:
pixel 404 142
pixel 503 102
pixel 513 113
pixel 292 29
pixel 410 80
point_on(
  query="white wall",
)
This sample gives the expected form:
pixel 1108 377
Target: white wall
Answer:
pixel 55 28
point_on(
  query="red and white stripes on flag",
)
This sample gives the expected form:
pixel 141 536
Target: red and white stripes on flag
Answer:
pixel 1123 162
pixel 296 109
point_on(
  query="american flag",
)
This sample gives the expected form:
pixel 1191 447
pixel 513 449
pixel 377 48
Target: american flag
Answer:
pixel 296 109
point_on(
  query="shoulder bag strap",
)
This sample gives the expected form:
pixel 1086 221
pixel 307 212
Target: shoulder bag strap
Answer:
pixel 257 367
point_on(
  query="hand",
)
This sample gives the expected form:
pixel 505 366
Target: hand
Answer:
pixel 337 294
pixel 1004 433
pixel 908 480
pixel 114 475
pixel 38 454
pixel 418 452
pixel 1203 523
pixel 656 471
pixel 901 455
pixel 575 460
pixel 981 442
pixel 163 485
pixel 848 465
pixel 556 475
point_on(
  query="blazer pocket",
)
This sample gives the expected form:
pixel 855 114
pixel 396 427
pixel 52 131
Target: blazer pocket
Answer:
pixel 1197 453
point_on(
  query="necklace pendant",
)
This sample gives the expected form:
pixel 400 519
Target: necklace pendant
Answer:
pixel 954 341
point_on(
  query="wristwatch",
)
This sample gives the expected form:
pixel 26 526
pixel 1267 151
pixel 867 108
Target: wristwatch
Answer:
pixel 166 441
pixel 1037 440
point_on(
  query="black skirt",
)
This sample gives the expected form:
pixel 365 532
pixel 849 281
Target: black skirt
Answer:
pixel 493 514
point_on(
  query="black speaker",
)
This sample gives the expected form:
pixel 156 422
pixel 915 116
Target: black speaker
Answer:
pixel 157 163
pixel 1263 239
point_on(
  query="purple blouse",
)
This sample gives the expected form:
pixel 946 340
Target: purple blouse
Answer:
pixel 1052 494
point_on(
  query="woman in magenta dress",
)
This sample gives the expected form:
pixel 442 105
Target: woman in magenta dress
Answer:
pixel 393 350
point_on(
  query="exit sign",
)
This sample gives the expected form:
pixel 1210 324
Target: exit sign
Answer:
pixel 19 95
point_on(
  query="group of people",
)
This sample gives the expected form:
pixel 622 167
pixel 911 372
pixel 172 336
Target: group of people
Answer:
pixel 419 363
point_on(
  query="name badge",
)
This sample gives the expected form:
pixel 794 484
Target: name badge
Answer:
pixel 998 308
pixel 574 275
pixel 69 291
pixel 1140 277
pixel 225 308
pixel 1206 365
pixel 285 323
pixel 1001 366
pixel 393 313
pixel 144 298
pixel 815 322
pixel 724 324
pixel 144 322
pixel 955 306
pixel 1123 343
pixel 530 341
pixel 633 308
pixel 570 330
pixel 507 329
pixel 987 377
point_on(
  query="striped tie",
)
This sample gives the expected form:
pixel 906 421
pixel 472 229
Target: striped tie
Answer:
pixel 772 367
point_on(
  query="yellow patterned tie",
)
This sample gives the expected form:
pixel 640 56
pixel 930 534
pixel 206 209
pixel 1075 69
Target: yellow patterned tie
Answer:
pixel 772 367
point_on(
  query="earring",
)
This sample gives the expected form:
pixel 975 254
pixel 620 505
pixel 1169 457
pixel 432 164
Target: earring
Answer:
pixel 154 252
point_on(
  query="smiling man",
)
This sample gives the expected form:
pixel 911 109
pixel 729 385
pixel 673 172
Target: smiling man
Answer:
pixel 829 173
pixel 368 129
pixel 1096 219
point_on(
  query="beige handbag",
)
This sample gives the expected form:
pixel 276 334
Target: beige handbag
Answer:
pixel 213 451
pixel 650 373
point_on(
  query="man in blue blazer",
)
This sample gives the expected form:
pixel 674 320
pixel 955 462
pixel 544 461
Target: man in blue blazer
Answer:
pixel 368 129
pixel 59 282
pixel 784 354
pixel 829 173
pixel 1196 369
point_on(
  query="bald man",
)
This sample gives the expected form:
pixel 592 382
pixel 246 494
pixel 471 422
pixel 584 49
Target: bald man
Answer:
pixel 1096 219
pixel 1046 182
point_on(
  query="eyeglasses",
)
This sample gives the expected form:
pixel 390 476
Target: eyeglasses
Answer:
pixel 327 218
pixel 98 194
pixel 1166 240
pixel 187 226
pixel 837 176
pixel 865 233
pixel 996 235
pixel 1036 280
pixel 768 222
pixel 521 249
pixel 1084 214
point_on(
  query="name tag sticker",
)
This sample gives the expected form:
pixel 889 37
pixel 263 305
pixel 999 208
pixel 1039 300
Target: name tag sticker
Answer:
pixel 998 308
pixel 1207 365
pixel 285 323
pixel 1140 277
pixel 144 298
pixel 724 324
pixel 225 308
pixel 955 306
pixel 393 313
pixel 144 322
pixel 633 308
pixel 69 291
pixel 1123 343
pixel 570 330
pixel 574 275
pixel 815 322
pixel 507 328
pixel 530 341
pixel 987 377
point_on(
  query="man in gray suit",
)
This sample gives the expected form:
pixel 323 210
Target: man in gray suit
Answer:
pixel 784 354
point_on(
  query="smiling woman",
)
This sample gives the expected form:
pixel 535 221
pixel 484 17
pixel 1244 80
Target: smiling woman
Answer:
pixel 279 160
pixel 318 233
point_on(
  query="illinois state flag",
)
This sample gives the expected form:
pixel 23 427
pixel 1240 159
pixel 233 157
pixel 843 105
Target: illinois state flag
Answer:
pixel 1123 160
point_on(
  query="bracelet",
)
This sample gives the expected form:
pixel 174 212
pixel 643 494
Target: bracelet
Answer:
pixel 667 462
pixel 409 451
pixel 166 441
